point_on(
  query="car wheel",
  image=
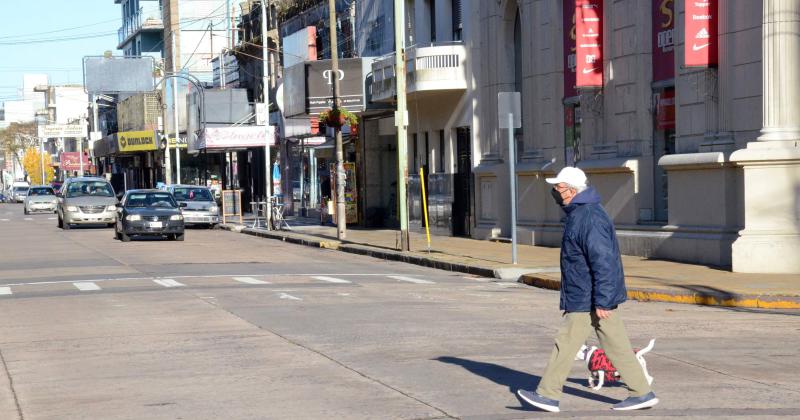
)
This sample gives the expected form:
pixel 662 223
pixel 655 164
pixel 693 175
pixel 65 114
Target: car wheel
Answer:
pixel 180 237
pixel 123 237
pixel 111 225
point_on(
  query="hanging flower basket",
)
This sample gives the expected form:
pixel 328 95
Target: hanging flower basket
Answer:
pixel 338 118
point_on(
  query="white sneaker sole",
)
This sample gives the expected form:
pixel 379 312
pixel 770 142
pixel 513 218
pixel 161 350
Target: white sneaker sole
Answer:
pixel 544 407
pixel 646 404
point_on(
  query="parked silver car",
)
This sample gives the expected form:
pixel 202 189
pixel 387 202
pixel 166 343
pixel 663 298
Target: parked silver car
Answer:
pixel 19 194
pixel 40 198
pixel 200 208
pixel 85 201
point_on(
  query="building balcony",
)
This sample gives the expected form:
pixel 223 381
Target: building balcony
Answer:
pixel 432 68
pixel 138 22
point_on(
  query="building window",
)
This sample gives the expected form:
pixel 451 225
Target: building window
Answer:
pixel 414 148
pixel 440 167
pixel 455 5
pixel 432 13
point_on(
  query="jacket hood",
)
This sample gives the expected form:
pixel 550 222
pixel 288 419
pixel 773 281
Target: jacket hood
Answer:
pixel 587 196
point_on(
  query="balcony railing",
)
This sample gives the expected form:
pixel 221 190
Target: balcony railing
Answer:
pixel 138 21
pixel 429 68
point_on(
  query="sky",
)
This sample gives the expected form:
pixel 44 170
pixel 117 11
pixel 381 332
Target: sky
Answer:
pixel 35 39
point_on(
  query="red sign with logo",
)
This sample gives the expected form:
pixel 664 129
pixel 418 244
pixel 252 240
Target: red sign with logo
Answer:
pixel 701 33
pixel 70 162
pixel 663 40
pixel 569 49
pixel 665 110
pixel 589 34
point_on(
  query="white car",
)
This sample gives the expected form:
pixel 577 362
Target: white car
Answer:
pixel 40 198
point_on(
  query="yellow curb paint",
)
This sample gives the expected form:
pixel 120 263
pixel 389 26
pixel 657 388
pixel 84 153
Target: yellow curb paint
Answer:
pixel 654 296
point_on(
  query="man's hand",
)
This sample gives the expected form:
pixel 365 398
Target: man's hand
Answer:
pixel 602 313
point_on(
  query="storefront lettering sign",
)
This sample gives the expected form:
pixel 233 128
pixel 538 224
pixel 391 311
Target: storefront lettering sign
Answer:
pixel 663 40
pixel 589 43
pixel 569 49
pixel 701 33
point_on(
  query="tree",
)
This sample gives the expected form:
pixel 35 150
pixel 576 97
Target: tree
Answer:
pixel 32 162
pixel 18 137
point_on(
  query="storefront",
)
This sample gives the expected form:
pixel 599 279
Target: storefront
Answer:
pixel 131 158
pixel 238 154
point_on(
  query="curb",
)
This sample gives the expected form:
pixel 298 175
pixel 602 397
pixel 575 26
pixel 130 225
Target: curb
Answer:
pixel 367 250
pixel 673 296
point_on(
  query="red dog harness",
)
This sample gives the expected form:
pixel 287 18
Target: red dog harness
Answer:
pixel 599 361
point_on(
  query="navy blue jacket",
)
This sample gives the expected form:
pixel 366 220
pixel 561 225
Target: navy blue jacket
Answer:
pixel 591 265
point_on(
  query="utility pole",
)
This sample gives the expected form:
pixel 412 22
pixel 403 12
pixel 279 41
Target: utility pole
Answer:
pixel 265 95
pixel 401 120
pixel 341 217
pixel 175 112
pixel 41 155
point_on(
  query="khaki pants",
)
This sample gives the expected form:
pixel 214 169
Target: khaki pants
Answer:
pixel 613 339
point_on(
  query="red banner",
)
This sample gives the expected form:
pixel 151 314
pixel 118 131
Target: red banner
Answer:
pixel 663 40
pixel 665 110
pixel 70 162
pixel 569 49
pixel 589 33
pixel 701 33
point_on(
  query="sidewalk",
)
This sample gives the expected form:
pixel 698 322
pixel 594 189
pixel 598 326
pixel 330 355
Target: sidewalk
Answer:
pixel 646 280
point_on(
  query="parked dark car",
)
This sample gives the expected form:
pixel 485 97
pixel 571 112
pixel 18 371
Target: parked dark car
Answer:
pixel 149 213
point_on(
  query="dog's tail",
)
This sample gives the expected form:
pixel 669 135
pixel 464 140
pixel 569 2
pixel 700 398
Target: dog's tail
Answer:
pixel 647 349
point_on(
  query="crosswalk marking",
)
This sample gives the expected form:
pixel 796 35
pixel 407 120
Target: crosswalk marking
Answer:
pixel 5 290
pixel 5 220
pixel 86 286
pixel 288 296
pixel 250 280
pixel 411 280
pixel 506 284
pixel 28 219
pixel 52 218
pixel 331 279
pixel 168 283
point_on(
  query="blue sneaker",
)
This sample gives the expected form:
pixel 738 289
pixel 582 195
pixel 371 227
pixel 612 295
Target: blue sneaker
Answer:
pixel 539 401
pixel 637 403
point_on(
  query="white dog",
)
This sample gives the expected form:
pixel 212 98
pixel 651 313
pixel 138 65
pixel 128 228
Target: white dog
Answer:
pixel 600 368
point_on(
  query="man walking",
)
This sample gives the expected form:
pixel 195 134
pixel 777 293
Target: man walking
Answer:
pixel 592 285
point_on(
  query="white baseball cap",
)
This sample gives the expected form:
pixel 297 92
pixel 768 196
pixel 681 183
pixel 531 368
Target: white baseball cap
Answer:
pixel 569 175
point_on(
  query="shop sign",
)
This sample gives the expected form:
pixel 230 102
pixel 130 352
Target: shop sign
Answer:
pixel 70 161
pixel 665 110
pixel 663 40
pixel 589 43
pixel 136 141
pixel 701 33
pixel 63 130
pixel 569 49
pixel 236 137
pixel 320 78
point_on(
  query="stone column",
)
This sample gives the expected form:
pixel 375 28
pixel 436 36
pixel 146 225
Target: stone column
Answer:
pixel 770 240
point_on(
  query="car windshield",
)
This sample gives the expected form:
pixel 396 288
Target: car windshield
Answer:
pixel 41 191
pixel 89 188
pixel 20 189
pixel 151 199
pixel 192 194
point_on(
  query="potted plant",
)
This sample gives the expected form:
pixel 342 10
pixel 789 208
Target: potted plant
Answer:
pixel 338 118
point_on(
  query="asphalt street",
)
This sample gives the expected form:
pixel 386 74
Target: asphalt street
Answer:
pixel 230 326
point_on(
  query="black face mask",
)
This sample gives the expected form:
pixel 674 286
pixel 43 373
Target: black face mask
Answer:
pixel 557 196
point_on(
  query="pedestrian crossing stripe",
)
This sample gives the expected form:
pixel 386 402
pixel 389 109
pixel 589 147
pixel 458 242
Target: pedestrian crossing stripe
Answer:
pixel 5 290
pixel 250 280
pixel 330 279
pixel 168 283
pixel 86 286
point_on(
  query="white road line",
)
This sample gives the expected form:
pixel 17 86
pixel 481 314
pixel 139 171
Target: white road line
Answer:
pixel 5 220
pixel 86 286
pixel 28 219
pixel 5 291
pixel 506 284
pixel 52 218
pixel 250 280
pixel 411 280
pixel 169 283
pixel 331 279
pixel 288 296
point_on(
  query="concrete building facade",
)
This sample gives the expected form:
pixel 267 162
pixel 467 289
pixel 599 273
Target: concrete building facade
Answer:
pixel 700 165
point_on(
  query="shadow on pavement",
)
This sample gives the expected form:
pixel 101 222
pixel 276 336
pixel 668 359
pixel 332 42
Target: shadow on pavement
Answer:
pixel 516 380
